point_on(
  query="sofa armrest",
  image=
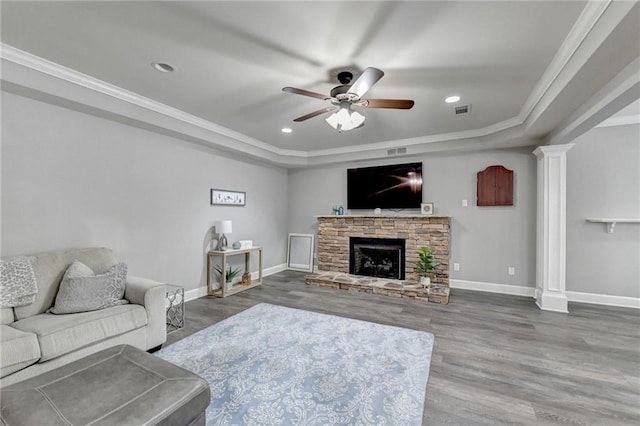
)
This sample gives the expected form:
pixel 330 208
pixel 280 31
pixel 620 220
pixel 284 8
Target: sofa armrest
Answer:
pixel 150 294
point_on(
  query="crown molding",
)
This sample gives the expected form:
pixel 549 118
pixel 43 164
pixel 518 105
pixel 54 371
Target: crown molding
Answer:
pixel 550 79
pixel 72 76
pixel 60 72
pixel 623 89
pixel 283 156
pixel 626 120
pixel 577 47
pixel 421 140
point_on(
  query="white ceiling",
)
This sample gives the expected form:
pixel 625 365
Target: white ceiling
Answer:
pixel 525 67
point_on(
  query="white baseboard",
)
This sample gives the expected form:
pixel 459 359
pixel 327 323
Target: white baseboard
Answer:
pixel 195 293
pixel 272 270
pixel 202 291
pixel 604 299
pixel 514 290
pixel 572 296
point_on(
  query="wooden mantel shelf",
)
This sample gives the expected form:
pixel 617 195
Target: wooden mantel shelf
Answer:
pixel 382 216
pixel 611 223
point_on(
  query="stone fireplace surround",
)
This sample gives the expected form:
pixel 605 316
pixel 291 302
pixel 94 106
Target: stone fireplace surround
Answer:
pixel 417 230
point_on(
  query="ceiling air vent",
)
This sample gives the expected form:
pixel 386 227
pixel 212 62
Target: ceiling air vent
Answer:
pixel 397 151
pixel 462 109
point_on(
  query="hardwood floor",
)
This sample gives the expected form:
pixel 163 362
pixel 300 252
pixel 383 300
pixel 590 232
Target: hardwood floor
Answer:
pixel 497 359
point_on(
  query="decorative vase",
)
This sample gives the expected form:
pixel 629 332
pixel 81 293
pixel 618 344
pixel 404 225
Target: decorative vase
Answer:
pixel 246 279
pixel 425 281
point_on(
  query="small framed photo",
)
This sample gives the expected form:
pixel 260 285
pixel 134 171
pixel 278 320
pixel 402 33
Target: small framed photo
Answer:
pixel 228 198
pixel 426 208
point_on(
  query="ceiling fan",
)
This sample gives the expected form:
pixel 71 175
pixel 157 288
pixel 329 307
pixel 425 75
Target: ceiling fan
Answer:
pixel 343 97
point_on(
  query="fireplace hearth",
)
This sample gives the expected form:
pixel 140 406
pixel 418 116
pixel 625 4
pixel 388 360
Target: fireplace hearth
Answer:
pixel 377 257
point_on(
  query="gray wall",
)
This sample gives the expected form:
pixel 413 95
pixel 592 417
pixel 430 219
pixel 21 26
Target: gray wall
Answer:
pixel 74 180
pixel 485 241
pixel 603 181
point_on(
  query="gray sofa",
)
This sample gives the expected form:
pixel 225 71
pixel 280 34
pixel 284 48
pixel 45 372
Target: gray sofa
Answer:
pixel 33 341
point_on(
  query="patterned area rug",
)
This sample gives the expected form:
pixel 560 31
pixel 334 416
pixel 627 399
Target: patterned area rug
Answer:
pixel 273 365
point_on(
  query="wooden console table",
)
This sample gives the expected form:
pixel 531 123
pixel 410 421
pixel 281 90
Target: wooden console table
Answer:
pixel 223 291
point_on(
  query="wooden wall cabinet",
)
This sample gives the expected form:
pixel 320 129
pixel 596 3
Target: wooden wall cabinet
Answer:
pixel 495 186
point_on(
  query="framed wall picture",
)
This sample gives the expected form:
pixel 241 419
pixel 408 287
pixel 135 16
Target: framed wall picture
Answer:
pixel 228 198
pixel 426 208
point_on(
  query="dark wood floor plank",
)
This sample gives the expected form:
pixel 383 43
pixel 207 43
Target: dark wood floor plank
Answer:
pixel 497 359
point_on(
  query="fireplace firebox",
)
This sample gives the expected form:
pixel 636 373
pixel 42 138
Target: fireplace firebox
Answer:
pixel 377 257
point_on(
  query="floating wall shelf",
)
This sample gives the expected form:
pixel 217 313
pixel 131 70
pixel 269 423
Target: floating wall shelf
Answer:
pixel 611 223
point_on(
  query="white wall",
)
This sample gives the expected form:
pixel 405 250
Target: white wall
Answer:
pixel 603 181
pixel 484 240
pixel 74 180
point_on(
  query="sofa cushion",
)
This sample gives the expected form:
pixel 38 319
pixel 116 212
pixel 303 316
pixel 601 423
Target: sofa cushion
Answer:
pixel 19 350
pixel 18 285
pixel 49 268
pixel 83 291
pixel 6 316
pixel 61 334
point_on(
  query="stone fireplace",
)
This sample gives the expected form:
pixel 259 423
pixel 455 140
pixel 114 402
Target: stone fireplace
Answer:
pixel 334 233
pixel 377 257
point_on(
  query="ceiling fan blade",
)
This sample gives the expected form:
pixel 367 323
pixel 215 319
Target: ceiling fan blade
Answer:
pixel 305 93
pixel 387 103
pixel 315 113
pixel 368 78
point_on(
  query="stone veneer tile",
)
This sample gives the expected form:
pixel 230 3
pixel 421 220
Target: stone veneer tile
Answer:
pixel 436 293
pixel 418 231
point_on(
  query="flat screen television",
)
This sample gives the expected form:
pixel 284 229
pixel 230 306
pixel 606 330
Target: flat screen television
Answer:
pixel 397 186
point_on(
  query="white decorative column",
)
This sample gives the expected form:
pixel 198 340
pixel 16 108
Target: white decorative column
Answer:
pixel 551 232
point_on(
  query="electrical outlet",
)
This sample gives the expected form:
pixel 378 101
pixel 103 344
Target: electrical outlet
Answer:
pixel 456 266
pixel 512 270
pixel 464 203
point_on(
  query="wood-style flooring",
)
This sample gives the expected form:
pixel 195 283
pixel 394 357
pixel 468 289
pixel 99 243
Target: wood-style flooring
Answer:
pixel 497 359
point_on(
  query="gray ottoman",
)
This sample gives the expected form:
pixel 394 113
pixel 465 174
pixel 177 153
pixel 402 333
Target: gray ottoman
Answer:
pixel 117 386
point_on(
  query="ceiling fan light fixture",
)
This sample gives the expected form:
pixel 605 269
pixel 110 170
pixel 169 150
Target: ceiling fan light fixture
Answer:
pixel 333 120
pixel 347 94
pixel 345 119
pixel 286 130
pixel 357 119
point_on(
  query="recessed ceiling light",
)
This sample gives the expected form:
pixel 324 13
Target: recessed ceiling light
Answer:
pixel 452 99
pixel 286 130
pixel 162 66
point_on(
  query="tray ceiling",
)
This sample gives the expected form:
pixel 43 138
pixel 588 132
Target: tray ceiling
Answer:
pixel 231 60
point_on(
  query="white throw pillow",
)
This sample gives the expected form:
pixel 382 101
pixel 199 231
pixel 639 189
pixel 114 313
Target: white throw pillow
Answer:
pixel 82 291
